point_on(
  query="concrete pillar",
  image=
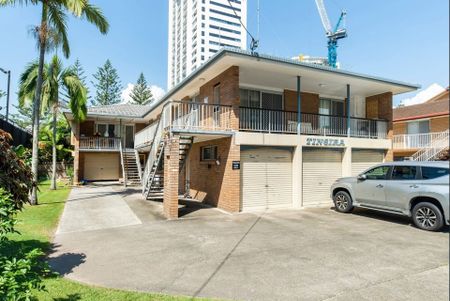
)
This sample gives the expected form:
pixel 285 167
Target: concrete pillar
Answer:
pixel 297 198
pixel 347 162
pixel 171 176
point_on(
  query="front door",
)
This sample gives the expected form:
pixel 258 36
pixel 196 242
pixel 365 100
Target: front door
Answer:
pixel 129 136
pixel 371 191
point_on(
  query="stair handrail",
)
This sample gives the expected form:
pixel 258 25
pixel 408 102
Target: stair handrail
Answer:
pixel 163 123
pixel 138 163
pixel 124 174
pixel 440 143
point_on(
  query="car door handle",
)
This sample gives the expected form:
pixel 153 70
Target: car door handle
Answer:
pixel 414 186
pixel 379 186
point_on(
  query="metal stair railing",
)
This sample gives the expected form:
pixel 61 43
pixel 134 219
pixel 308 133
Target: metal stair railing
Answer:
pixel 122 163
pixel 152 157
pixel 439 144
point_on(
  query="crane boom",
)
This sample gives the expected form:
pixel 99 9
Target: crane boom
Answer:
pixel 333 34
pixel 324 17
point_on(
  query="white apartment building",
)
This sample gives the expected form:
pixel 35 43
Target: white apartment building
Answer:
pixel 198 29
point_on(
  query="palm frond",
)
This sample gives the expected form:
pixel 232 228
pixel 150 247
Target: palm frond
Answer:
pixel 17 2
pixel 95 16
pixel 57 19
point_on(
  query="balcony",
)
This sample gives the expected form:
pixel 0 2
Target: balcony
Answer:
pixel 415 141
pixel 285 122
pixel 188 117
pixel 99 144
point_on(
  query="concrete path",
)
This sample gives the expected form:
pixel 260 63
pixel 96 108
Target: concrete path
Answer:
pixel 94 208
pixel 311 254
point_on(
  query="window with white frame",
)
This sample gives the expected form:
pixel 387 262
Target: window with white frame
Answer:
pixel 419 127
pixel 107 130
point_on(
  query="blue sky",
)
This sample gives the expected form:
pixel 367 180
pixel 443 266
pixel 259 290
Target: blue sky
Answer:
pixel 403 39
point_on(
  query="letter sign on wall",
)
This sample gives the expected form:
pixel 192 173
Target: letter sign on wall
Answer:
pixel 335 142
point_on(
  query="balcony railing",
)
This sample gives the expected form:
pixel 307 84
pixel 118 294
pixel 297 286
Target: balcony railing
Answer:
pixel 414 141
pixel 184 116
pixel 278 121
pixel 99 143
pixel 198 116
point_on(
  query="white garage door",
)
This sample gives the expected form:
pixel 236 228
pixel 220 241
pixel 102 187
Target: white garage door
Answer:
pixel 364 159
pixel 320 168
pixel 266 178
pixel 101 166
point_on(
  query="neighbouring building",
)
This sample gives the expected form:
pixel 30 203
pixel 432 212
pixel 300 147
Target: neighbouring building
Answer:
pixel 421 132
pixel 198 29
pixel 247 132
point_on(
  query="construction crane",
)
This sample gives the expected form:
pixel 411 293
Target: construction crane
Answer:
pixel 333 35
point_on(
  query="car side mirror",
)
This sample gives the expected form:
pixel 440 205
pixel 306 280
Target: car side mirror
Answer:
pixel 362 177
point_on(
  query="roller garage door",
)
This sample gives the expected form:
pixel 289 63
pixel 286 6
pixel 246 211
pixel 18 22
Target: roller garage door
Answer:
pixel 320 168
pixel 101 166
pixel 363 159
pixel 266 178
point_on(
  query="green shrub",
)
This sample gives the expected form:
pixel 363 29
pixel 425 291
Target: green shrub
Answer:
pixel 15 175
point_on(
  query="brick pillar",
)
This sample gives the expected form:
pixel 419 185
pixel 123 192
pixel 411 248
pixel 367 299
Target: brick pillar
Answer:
pixel 171 176
pixel 76 153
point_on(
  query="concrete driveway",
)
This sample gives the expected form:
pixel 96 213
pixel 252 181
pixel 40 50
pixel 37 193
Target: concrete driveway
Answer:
pixel 310 254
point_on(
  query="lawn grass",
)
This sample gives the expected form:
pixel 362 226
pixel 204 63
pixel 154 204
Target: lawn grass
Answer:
pixel 37 225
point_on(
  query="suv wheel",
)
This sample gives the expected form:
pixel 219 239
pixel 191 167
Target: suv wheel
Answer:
pixel 427 216
pixel 343 202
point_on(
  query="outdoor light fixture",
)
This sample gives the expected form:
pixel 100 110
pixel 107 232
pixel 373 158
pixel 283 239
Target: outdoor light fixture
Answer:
pixel 8 73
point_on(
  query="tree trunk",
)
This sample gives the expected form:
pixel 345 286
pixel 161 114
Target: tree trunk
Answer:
pixel 37 105
pixel 53 183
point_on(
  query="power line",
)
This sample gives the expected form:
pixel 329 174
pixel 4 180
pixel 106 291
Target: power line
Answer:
pixel 254 43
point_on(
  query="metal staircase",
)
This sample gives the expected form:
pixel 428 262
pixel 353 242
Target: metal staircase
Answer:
pixel 437 150
pixel 153 175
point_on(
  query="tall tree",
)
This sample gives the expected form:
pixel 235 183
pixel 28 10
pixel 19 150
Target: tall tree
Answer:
pixel 58 84
pixel 107 85
pixel 52 32
pixel 79 70
pixel 141 93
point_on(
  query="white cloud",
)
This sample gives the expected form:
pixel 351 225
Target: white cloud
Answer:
pixel 157 92
pixel 423 95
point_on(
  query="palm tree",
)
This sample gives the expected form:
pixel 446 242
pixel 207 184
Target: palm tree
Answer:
pixel 57 84
pixel 52 31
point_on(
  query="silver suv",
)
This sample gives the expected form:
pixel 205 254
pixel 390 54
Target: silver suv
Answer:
pixel 416 189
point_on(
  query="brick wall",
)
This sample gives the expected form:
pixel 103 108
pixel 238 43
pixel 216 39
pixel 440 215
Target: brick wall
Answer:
pixel 400 128
pixel 87 128
pixel 139 127
pixel 171 170
pixel 218 185
pixel 310 102
pixel 228 82
pixel 439 124
pixel 380 107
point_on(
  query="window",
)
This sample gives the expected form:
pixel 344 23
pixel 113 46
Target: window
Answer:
pixel 377 173
pixel 208 153
pixel 250 98
pixel 429 173
pixel 418 127
pixel 404 173
pixel 107 130
pixel 216 94
pixel 331 107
